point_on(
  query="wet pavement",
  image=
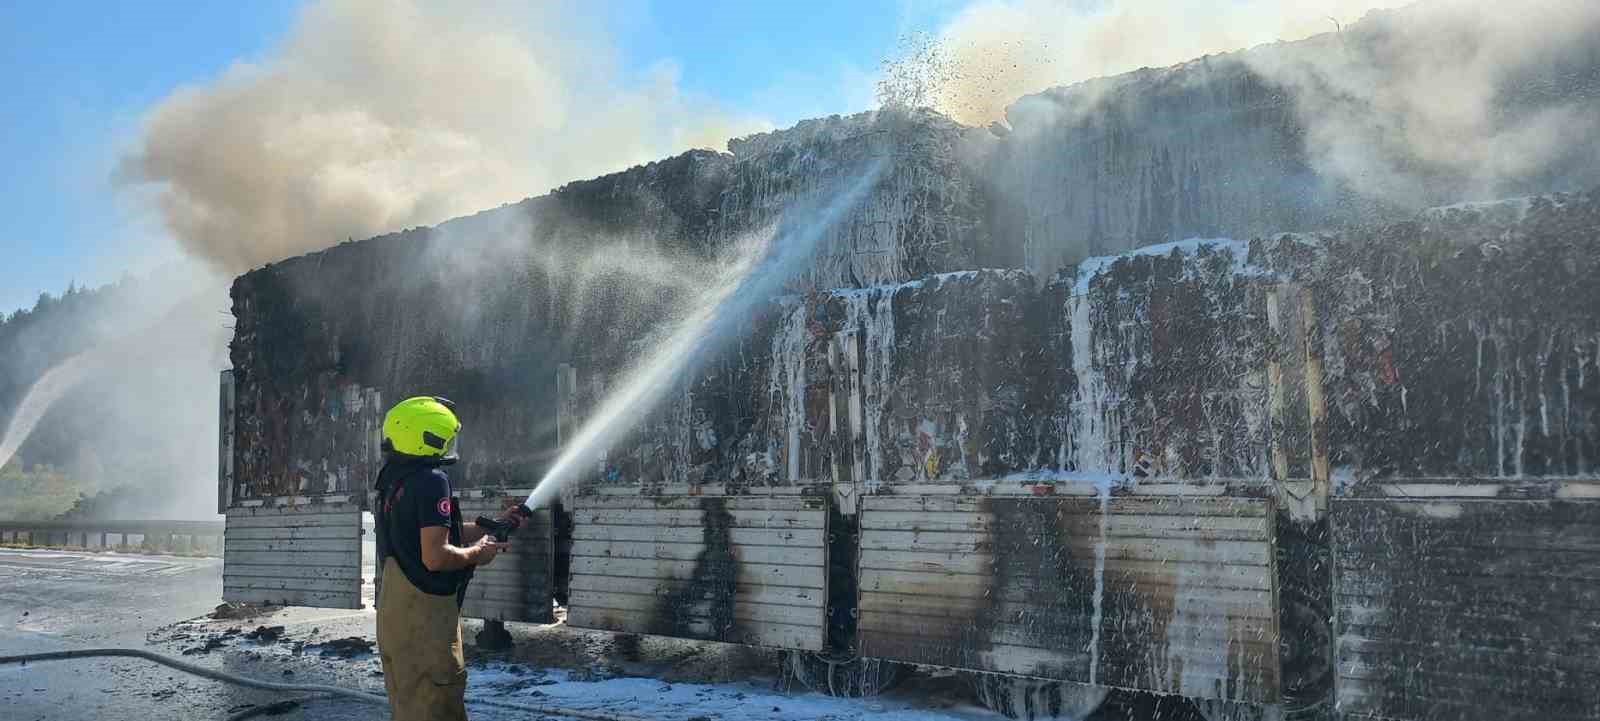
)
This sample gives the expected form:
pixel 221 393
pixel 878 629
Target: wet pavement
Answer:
pixel 56 600
pixel 53 600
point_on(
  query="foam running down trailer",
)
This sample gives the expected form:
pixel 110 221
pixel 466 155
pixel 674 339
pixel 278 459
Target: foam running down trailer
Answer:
pixel 1001 424
pixel 1247 474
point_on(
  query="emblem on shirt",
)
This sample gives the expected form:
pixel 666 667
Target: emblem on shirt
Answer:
pixel 444 507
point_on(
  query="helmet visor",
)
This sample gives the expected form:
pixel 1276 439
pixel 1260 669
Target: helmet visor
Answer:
pixel 449 455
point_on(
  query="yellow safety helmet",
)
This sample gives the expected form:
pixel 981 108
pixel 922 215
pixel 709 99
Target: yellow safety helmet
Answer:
pixel 424 426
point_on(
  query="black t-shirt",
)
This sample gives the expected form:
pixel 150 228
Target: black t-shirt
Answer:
pixel 411 497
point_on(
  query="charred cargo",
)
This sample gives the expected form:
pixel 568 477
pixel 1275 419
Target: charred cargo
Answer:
pixel 1003 424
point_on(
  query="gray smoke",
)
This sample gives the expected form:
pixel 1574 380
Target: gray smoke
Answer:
pixel 995 51
pixel 375 116
pixel 369 117
pixel 1430 103
pixel 1452 99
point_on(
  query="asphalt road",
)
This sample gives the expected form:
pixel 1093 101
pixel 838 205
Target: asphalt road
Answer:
pixel 55 600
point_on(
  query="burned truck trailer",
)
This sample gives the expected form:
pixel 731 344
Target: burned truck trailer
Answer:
pixel 1352 467
pixel 1347 472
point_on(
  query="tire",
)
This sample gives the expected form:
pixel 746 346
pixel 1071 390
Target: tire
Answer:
pixel 857 678
pixel 1304 612
pixel 1036 699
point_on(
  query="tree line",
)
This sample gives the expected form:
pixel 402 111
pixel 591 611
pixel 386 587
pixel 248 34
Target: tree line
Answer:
pixel 53 472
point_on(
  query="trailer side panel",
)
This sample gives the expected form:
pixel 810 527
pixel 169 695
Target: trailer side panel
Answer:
pixel 1165 594
pixel 739 569
pixel 294 555
pixel 1455 608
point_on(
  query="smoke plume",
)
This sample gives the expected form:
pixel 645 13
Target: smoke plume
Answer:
pixel 1453 99
pixel 374 116
pixel 1434 102
pixel 995 51
pixel 369 117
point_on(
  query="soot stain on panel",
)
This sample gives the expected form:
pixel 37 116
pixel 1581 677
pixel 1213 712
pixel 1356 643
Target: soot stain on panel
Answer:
pixel 1033 568
pixel 711 590
pixel 843 581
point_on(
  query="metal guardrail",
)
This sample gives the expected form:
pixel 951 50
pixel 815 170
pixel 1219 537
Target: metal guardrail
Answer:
pixel 201 537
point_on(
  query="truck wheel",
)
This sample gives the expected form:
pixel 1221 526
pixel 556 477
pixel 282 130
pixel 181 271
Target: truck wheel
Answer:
pixel 1304 609
pixel 854 678
pixel 1031 698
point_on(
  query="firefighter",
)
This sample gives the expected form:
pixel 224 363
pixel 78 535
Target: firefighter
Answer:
pixel 427 557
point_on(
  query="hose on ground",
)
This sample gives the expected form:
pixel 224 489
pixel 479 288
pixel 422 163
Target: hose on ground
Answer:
pixel 224 677
pixel 195 670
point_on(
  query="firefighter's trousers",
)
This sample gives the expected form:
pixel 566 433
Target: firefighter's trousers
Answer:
pixel 419 642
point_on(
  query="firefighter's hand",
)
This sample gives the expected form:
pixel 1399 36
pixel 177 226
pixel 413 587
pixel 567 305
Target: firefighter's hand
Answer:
pixel 510 516
pixel 510 513
pixel 511 509
pixel 486 549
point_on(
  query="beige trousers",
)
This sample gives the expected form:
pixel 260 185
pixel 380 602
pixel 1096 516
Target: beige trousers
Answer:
pixel 419 642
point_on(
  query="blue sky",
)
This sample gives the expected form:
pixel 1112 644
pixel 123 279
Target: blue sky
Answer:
pixel 83 73
pixel 781 59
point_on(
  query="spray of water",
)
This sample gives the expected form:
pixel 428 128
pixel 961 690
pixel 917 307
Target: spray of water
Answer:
pixel 44 393
pixel 762 264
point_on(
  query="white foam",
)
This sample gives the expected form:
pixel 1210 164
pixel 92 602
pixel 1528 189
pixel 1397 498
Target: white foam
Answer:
pixel 786 384
pixel 1238 249
pixel 655 699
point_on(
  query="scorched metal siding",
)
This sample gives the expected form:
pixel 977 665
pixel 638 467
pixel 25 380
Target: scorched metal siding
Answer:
pixel 1166 594
pixel 1467 609
pixel 740 569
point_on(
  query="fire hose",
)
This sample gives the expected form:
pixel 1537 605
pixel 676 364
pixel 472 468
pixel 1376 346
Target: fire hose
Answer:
pixel 340 691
